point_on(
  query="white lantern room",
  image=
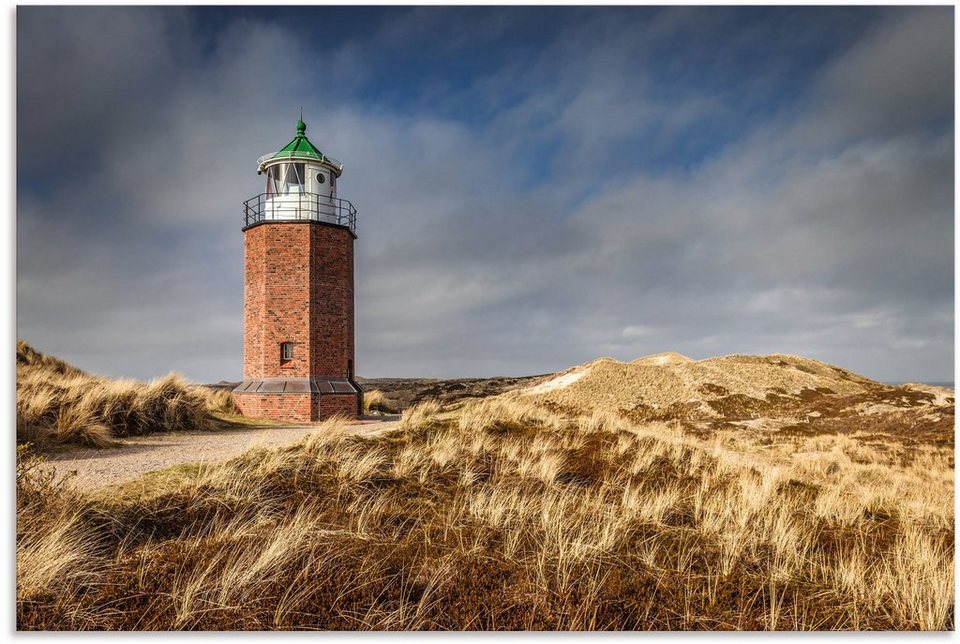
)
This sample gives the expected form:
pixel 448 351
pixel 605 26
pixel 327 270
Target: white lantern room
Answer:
pixel 301 183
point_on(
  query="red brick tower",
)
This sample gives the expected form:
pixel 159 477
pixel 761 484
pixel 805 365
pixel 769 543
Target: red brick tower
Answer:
pixel 298 349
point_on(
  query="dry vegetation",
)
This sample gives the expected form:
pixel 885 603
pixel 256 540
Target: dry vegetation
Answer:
pixel 775 395
pixel 59 404
pixel 397 394
pixel 505 515
pixel 377 404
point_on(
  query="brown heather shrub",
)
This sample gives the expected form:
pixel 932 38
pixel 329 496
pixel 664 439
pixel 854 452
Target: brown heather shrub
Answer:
pixel 57 403
pixel 503 516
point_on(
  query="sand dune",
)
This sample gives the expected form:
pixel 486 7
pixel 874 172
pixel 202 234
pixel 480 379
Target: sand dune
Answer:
pixel 665 379
pixel 789 391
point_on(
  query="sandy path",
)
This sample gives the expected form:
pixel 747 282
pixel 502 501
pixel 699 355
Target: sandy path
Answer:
pixel 138 455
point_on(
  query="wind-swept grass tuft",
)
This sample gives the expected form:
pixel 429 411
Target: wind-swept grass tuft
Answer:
pixel 420 416
pixel 375 402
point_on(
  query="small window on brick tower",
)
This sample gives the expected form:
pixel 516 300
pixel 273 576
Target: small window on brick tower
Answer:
pixel 286 351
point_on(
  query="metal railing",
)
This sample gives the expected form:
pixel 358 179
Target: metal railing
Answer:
pixel 299 206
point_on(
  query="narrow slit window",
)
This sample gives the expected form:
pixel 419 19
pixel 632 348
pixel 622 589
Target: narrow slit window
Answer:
pixel 286 351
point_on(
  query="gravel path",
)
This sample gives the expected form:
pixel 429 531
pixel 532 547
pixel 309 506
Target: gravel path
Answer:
pixel 99 467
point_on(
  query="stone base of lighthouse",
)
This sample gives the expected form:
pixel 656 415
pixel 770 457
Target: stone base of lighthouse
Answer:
pixel 298 407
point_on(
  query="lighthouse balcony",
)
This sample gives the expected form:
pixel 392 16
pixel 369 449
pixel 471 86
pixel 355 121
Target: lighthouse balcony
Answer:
pixel 304 206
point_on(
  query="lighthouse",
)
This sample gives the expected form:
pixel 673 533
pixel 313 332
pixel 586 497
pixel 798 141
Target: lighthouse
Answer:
pixel 298 235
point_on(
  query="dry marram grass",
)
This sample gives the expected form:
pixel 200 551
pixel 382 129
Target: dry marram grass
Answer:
pixel 375 402
pixel 57 403
pixel 504 515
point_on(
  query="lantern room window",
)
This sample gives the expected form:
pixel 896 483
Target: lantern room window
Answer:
pixel 286 351
pixel 294 178
pixel 285 179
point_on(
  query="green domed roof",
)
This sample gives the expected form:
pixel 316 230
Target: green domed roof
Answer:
pixel 300 146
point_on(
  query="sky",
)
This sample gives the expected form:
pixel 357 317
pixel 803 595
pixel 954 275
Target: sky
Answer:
pixel 536 187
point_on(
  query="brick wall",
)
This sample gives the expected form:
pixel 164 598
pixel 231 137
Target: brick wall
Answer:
pixel 296 408
pixel 276 300
pixel 331 308
pixel 298 288
pixel 330 405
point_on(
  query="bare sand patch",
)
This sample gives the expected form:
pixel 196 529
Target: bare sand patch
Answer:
pixel 565 379
pixel 664 358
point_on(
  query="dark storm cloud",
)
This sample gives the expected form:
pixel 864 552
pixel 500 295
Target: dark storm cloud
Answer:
pixel 893 80
pixel 633 183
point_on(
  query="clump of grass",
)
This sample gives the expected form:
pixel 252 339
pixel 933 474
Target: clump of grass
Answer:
pixel 57 403
pixel 27 356
pixel 421 416
pixel 504 516
pixel 219 401
pixel 56 549
pixel 504 416
pixel 375 402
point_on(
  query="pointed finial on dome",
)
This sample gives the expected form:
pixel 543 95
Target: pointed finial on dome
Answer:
pixel 301 126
